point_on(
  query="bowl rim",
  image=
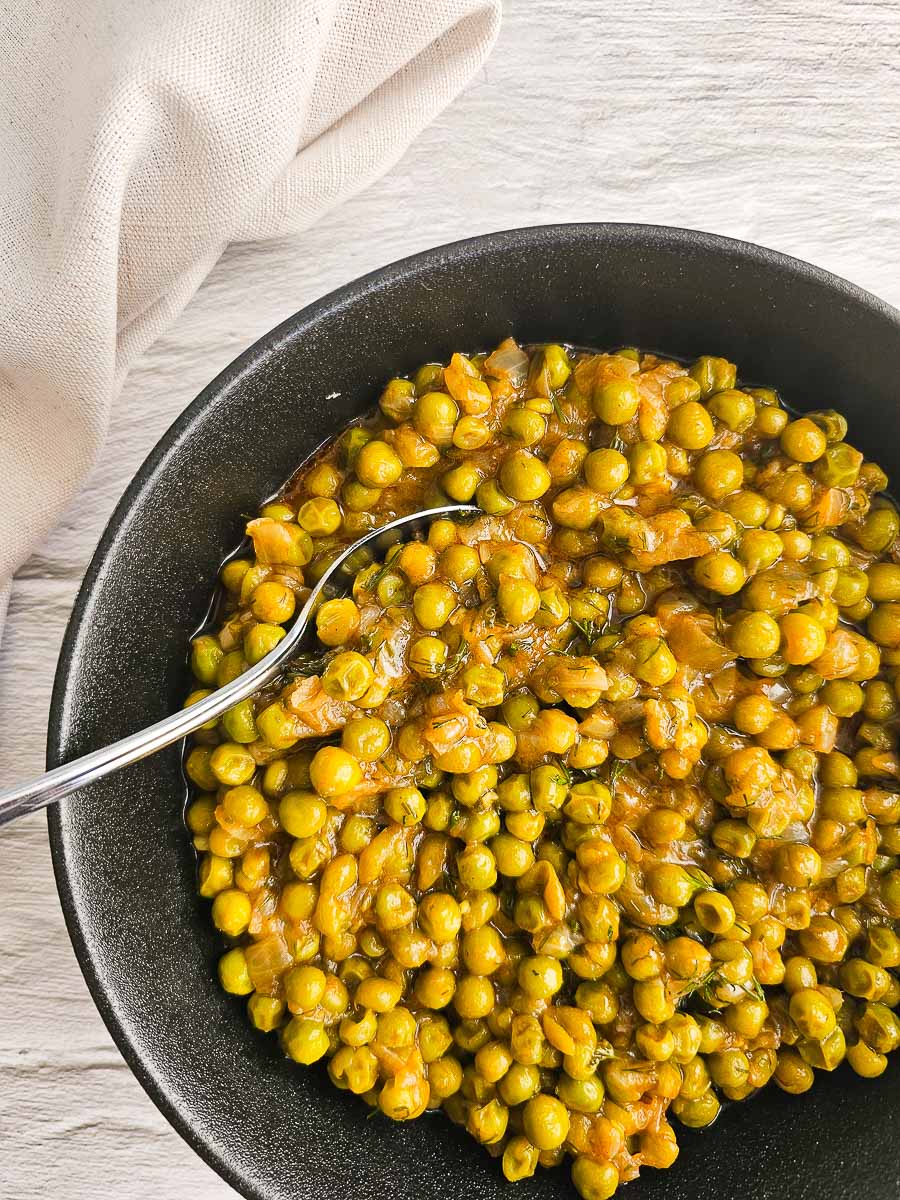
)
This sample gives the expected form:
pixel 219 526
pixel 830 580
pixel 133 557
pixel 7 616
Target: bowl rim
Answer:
pixel 406 269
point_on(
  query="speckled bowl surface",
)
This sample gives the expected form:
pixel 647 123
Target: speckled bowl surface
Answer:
pixel 124 864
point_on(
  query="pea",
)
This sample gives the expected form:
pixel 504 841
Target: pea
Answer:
pixel 713 374
pixel 461 482
pixel 681 390
pixel 233 973
pixel 277 727
pixel 233 572
pixel 519 600
pixel 520 1159
pixel 555 366
pixel 337 621
pixel 440 916
pixel 797 865
pixel 548 788
pixel 348 676
pixel 759 549
pixel 334 772
pixel 879 1027
pixel 654 662
pixel 883 947
pixel 720 572
pixel 540 976
pixel 366 738
pixel 803 441
pixel 239 722
pixel 606 470
pixel 647 462
pixel 428 377
pixel 753 714
pixel 301 814
pixel 206 654
pixel 305 1040
pixel 433 604
pixel 482 951
pixel 884 582
pixel 616 401
pixel 231 764
pixel 320 516
pixel 545 1121
pixel 474 997
pixel 376 465
pixel 490 497
pixel 476 867
pixel 215 875
pixel 884 625
pixel 260 639
pixel 357 498
pixel 200 815
pixel 523 476
pixel 718 473
pixel 671 884
pixel 755 635
pixel 524 426
pixel 405 805
pixel 471 433
pixel 792 1074
pixel 839 466
pixel 733 408
pixel 878 530
pixel 750 509
pixel 459 564
pixel 322 480
pixel 865 1061
pixel 434 416
pixel 690 426
pixel 802 638
pixel 863 979
pixel 265 1012
pixel 594 1180
pixel 824 940
pixel 826 1054
pixel 245 805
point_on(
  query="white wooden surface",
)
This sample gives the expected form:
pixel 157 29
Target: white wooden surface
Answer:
pixel 779 123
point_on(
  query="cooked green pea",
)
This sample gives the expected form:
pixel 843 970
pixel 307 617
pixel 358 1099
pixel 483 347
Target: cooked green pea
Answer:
pixel 720 572
pixel 233 974
pixel 260 639
pixel 616 401
pixel 605 470
pixel 713 374
pixel 690 426
pixel 239 722
pixel 878 530
pixel 884 582
pixel 523 476
pixel 754 635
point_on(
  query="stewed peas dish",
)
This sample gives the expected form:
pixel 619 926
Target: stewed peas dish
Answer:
pixel 586 818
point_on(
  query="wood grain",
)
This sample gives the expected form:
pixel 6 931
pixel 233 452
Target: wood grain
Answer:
pixel 779 123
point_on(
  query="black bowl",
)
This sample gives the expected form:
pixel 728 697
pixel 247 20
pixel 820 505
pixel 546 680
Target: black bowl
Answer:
pixel 123 862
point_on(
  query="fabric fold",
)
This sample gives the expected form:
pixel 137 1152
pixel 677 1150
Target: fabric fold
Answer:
pixel 138 140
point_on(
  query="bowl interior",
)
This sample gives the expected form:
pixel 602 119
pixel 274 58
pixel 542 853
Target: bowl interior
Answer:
pixel 123 861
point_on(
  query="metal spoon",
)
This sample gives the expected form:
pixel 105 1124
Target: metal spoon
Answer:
pixel 336 581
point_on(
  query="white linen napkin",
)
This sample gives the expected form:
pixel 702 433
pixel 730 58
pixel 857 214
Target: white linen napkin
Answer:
pixel 137 139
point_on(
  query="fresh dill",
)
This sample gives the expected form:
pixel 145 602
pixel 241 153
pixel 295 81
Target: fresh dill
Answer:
pixel 557 408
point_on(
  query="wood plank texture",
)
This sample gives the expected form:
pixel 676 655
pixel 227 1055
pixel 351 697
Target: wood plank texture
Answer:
pixel 779 123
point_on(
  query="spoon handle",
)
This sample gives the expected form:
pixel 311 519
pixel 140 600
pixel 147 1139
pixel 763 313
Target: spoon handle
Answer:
pixel 37 793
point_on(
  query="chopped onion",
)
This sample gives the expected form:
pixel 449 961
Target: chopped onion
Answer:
pixel 508 360
pixel 267 960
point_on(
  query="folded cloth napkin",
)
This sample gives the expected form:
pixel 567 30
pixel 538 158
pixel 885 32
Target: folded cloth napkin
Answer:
pixel 138 138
